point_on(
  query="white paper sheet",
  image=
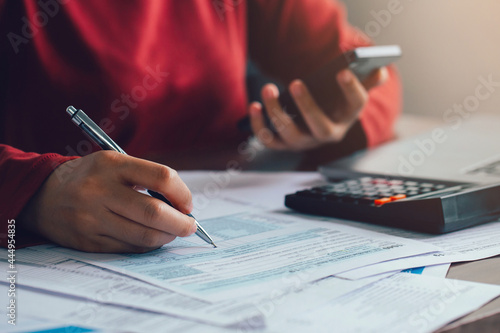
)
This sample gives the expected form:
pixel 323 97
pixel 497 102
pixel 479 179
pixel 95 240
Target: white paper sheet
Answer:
pixel 464 245
pixel 255 253
pixel 68 311
pixel 63 277
pixel 400 303
pixel 229 192
pixel 59 274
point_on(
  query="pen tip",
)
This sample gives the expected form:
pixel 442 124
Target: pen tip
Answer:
pixel 214 245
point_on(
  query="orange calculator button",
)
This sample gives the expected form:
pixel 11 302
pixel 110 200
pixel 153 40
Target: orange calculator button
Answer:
pixel 380 202
pixel 398 197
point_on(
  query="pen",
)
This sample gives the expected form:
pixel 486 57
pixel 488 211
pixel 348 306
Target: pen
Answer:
pixel 97 135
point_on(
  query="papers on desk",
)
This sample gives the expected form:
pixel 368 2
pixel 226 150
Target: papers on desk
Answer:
pixel 475 243
pixel 78 279
pixel 401 303
pixel 269 274
pixel 255 251
pixel 70 311
pixel 227 193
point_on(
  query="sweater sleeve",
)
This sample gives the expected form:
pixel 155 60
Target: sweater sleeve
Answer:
pixel 289 39
pixel 21 174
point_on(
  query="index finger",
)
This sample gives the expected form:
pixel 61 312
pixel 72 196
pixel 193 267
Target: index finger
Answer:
pixel 159 178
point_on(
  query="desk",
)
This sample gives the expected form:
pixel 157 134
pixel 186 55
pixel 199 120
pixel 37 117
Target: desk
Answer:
pixel 486 319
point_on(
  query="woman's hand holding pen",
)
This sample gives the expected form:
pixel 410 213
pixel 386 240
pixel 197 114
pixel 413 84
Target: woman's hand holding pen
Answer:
pixel 95 208
pixel 324 126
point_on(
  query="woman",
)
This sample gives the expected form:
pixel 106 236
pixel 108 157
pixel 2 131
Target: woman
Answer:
pixel 160 77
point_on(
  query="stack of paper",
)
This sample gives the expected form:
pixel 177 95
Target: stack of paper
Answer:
pixel 273 271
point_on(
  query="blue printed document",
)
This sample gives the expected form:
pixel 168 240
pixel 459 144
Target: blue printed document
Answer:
pixel 257 253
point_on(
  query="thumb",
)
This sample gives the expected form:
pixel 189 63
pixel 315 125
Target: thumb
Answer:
pixel 376 78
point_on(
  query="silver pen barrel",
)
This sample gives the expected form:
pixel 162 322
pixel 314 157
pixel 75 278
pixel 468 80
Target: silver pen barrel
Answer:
pixel 200 232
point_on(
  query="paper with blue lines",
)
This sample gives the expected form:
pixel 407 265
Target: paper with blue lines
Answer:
pixel 255 253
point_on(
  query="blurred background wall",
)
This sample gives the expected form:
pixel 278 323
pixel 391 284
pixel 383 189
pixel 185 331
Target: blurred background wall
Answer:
pixel 447 46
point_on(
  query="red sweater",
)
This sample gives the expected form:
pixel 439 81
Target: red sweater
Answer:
pixel 157 75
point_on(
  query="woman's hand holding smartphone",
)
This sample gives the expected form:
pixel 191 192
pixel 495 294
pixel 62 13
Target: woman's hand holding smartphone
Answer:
pixel 323 107
pixel 317 126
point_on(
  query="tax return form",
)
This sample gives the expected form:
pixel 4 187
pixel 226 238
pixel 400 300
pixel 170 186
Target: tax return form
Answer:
pixel 256 251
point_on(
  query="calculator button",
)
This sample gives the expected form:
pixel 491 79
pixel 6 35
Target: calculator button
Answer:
pixel 355 188
pixel 380 202
pixel 398 197
pixel 410 183
pixel 356 192
pixel 366 179
pixel 427 185
pixel 440 186
pixel 380 181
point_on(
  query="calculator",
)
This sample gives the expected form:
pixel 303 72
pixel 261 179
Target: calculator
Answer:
pixel 423 205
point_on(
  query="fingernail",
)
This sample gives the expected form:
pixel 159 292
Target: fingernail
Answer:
pixel 254 109
pixel 345 76
pixel 271 92
pixel 296 88
pixel 384 74
pixel 190 207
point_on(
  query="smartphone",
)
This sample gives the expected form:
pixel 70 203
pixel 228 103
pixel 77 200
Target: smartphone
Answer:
pixel 323 84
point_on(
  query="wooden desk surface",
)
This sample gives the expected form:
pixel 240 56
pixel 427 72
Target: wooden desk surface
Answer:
pixel 487 318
